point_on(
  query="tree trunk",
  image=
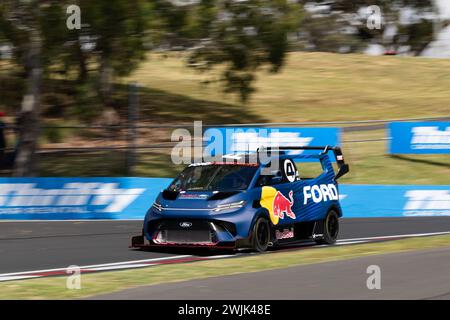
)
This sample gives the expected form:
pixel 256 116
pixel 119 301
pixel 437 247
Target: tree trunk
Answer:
pixel 82 63
pixel 28 122
pixel 106 75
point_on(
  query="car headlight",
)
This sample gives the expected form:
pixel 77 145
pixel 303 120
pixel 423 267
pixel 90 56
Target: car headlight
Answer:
pixel 157 206
pixel 229 206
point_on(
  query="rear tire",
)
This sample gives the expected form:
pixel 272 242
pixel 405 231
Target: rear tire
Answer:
pixel 261 235
pixel 330 228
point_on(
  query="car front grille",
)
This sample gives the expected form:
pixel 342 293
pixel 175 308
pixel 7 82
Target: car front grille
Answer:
pixel 189 231
pixel 185 236
pixel 174 231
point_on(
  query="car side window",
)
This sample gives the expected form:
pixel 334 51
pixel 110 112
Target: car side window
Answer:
pixel 270 178
pixel 309 170
pixel 286 173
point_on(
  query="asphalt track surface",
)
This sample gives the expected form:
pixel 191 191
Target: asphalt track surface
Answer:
pixel 408 275
pixel 27 246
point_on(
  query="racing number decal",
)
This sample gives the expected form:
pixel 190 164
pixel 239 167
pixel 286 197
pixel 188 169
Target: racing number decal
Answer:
pixel 289 170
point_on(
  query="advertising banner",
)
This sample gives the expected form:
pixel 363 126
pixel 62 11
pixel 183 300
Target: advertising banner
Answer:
pixel 242 140
pixel 371 201
pixel 419 137
pixel 130 198
pixel 77 198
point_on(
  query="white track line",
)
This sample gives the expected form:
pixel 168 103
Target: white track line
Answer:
pixel 397 236
pixel 343 243
pixel 17 278
pixel 118 264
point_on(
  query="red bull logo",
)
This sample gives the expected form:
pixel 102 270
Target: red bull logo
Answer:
pixel 285 234
pixel 277 204
pixel 282 205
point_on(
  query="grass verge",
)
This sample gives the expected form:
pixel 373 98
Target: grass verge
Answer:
pixel 99 283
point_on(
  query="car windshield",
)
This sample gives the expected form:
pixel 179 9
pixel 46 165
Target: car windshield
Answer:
pixel 214 178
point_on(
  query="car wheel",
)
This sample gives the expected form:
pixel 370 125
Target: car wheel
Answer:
pixel 330 228
pixel 261 235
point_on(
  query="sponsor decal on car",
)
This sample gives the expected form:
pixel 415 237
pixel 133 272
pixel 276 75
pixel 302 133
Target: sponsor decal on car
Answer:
pixel 285 234
pixel 277 204
pixel 319 193
pixel 283 205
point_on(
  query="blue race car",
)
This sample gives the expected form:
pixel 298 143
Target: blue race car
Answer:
pixel 245 204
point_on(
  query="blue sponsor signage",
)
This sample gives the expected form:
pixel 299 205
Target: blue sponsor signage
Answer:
pixel 130 198
pixel 419 137
pixel 370 201
pixel 77 198
pixel 220 141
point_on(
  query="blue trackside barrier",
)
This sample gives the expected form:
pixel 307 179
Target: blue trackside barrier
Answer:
pixel 129 198
pixel 371 201
pixel 232 140
pixel 419 137
pixel 77 198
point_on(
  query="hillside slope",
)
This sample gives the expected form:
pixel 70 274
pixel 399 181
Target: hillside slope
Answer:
pixel 318 87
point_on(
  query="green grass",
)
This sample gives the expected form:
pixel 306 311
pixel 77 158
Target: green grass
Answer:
pixel 369 164
pixel 93 284
pixel 312 87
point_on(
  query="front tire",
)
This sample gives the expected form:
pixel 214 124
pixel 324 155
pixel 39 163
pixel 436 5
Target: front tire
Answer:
pixel 330 228
pixel 261 235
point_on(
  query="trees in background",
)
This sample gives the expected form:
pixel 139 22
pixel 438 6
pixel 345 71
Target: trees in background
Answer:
pixel 22 24
pixel 239 36
pixel 114 38
pixel 242 36
pixel 341 25
pixel 110 43
pixel 236 37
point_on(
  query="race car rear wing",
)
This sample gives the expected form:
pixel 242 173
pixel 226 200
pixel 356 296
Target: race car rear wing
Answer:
pixel 343 168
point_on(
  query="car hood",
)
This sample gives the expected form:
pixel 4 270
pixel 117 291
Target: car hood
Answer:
pixel 199 200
